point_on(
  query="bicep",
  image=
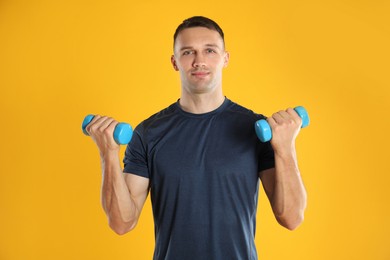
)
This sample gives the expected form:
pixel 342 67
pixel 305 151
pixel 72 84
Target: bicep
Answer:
pixel 267 178
pixel 138 187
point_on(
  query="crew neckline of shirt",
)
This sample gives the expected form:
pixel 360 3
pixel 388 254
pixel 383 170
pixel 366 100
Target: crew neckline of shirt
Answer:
pixel 215 111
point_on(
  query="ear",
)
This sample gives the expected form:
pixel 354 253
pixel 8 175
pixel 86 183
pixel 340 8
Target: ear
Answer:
pixel 173 61
pixel 226 59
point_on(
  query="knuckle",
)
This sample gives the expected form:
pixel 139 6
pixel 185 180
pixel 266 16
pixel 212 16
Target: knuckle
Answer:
pixel 101 129
pixel 92 128
pixel 106 130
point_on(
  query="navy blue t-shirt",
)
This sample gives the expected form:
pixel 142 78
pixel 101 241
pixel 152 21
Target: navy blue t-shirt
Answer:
pixel 203 172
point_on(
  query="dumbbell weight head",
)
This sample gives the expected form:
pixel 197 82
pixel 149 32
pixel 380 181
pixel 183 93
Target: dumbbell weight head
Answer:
pixel 301 111
pixel 86 121
pixel 123 132
pixel 263 130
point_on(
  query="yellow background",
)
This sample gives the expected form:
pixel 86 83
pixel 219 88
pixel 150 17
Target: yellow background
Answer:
pixel 61 60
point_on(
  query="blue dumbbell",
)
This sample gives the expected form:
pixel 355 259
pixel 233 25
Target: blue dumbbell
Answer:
pixel 122 133
pixel 263 129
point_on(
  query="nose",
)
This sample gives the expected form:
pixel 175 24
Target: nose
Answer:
pixel 199 61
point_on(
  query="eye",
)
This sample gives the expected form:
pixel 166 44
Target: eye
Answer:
pixel 210 51
pixel 187 52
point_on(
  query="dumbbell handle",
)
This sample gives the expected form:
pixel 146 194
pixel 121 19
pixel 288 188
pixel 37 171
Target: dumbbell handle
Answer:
pixel 263 129
pixel 122 132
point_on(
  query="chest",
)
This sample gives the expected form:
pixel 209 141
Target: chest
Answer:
pixel 213 148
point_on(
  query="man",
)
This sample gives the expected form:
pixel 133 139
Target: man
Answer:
pixel 201 161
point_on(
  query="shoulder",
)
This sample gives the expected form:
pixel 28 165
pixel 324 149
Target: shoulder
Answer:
pixel 157 118
pixel 242 112
pixel 160 116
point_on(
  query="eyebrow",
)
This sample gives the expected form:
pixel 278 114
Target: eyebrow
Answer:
pixel 207 45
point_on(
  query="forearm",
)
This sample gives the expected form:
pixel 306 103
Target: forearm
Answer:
pixel 289 197
pixel 116 198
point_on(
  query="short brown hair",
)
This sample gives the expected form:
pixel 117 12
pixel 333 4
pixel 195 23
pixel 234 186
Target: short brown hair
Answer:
pixel 198 21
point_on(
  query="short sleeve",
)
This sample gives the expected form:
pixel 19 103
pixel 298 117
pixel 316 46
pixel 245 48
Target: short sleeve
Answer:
pixel 266 157
pixel 135 160
pixel 266 152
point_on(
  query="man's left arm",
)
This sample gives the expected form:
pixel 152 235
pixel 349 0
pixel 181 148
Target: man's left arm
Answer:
pixel 283 184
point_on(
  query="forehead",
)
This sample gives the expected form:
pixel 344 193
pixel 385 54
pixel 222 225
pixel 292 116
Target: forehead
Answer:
pixel 198 36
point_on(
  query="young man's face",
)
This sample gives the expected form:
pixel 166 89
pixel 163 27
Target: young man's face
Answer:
pixel 199 56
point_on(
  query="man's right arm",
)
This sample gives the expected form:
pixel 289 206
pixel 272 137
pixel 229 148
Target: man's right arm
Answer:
pixel 123 195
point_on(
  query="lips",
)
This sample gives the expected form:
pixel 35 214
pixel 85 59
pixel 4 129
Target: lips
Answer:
pixel 200 73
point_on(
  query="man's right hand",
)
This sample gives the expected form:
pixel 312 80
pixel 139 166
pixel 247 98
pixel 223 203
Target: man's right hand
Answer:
pixel 101 129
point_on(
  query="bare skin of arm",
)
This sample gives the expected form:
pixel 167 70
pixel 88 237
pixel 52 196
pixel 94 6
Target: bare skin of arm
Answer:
pixel 123 195
pixel 283 184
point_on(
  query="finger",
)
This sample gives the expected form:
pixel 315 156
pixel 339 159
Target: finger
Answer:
pixel 93 121
pixel 107 128
pixel 294 115
pixel 105 124
pixel 278 117
pixel 284 114
pixel 111 127
pixel 96 123
pixel 271 121
pixel 292 112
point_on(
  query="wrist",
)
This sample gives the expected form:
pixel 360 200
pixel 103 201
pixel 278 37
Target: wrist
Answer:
pixel 287 151
pixel 109 156
pixel 286 156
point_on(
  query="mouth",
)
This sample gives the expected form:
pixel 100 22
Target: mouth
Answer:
pixel 200 74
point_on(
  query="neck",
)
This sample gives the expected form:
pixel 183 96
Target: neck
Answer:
pixel 201 103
